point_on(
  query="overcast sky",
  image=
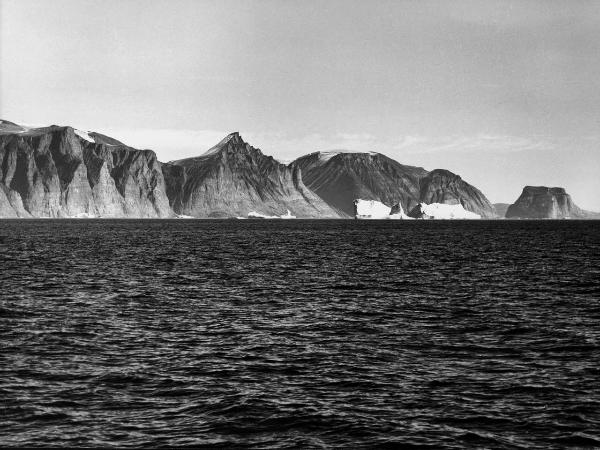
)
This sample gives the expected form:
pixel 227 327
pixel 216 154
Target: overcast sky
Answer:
pixel 504 93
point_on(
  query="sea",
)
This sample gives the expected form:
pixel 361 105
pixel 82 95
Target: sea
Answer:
pixel 300 333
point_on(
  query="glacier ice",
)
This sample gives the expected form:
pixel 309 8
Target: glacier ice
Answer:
pixel 442 211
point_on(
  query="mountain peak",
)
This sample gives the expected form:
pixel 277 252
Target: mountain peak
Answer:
pixel 232 138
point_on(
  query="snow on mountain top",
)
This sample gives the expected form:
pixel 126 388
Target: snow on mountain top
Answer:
pixel 326 156
pixel 84 135
pixel 12 127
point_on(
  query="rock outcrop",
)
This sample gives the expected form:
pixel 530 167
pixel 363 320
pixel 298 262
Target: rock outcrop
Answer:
pixel 541 202
pixel 339 178
pixel 62 172
pixel 233 178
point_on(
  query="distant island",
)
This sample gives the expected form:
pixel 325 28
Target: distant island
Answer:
pixel 63 172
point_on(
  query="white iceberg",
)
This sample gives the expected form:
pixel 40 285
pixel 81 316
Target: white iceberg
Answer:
pixel 287 215
pixel 257 215
pixel 84 215
pixel 373 209
pixel 442 211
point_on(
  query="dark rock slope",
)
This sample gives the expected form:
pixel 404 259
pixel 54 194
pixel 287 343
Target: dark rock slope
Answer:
pixel 340 177
pixel 541 202
pixel 55 172
pixel 233 178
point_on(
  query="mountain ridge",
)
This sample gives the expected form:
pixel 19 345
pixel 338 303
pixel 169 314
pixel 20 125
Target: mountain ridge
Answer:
pixel 341 177
pixel 61 171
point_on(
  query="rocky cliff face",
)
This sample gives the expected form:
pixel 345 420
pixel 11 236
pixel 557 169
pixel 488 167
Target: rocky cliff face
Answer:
pixel 62 172
pixel 339 178
pixel 541 202
pixel 233 178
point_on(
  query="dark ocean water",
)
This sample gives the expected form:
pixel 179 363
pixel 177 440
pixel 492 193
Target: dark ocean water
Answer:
pixel 300 333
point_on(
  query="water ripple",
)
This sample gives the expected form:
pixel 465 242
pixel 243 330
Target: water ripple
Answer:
pixel 300 334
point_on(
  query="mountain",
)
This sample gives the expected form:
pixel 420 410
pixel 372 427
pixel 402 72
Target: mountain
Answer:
pixel 341 177
pixel 63 172
pixel 541 202
pixel 60 171
pixel 233 179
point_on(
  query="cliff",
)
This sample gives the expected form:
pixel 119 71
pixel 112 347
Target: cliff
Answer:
pixel 63 172
pixel 541 202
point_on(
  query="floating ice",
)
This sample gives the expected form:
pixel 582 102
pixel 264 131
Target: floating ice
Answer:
pixel 371 209
pixel 443 211
pixel 256 215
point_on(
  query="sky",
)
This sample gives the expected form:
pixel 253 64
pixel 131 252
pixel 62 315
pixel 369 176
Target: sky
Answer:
pixel 504 93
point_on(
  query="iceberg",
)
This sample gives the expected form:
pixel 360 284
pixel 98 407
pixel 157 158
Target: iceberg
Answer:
pixel 373 209
pixel 257 215
pixel 84 215
pixel 287 215
pixel 442 211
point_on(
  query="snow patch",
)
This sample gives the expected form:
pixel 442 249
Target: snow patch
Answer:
pixel 444 211
pixel 84 135
pixel 326 156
